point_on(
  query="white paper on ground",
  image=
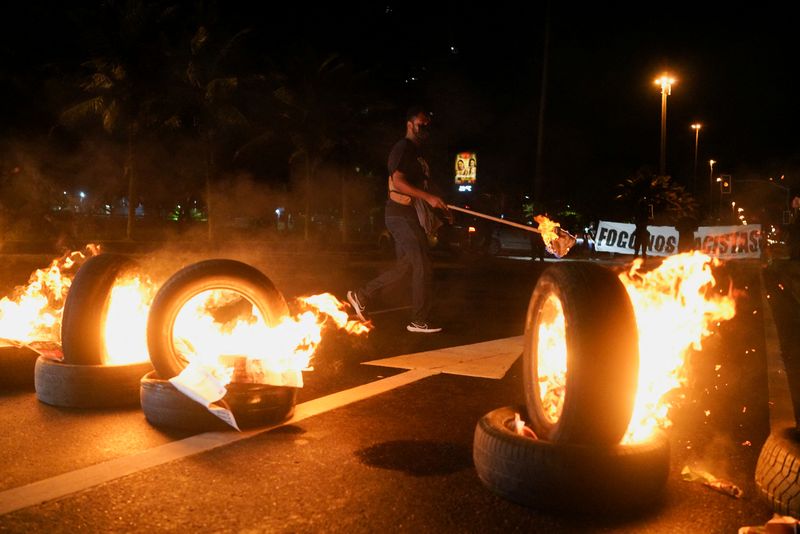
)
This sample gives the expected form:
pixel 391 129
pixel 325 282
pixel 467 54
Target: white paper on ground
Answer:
pixel 47 349
pixel 202 387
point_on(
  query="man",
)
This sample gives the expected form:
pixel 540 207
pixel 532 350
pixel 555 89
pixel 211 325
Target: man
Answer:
pixel 408 180
pixel 641 217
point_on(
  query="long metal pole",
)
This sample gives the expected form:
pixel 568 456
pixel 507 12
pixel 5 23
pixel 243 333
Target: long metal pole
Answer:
pixel 710 185
pixel 663 162
pixel 694 180
pixel 495 219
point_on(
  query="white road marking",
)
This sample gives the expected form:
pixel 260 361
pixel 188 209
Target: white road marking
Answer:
pixel 489 359
pixel 62 485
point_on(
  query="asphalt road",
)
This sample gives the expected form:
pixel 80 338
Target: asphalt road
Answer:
pixel 399 460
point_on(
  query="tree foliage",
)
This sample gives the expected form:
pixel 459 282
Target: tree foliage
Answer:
pixel 670 200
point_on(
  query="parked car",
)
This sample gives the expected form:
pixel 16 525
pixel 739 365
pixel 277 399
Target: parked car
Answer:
pixel 465 239
pixel 509 240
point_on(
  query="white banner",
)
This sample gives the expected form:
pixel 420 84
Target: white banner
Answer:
pixel 724 242
pixel 729 242
pixel 620 238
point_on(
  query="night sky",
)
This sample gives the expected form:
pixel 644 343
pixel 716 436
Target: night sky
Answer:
pixel 479 68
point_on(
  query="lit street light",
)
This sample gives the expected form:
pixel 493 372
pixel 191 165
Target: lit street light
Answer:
pixel 696 127
pixel 665 81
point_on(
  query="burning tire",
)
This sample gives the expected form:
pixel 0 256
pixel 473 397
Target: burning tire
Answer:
pixel 778 471
pixel 88 386
pixel 566 477
pixel 252 405
pixel 580 359
pixel 85 308
pixel 189 282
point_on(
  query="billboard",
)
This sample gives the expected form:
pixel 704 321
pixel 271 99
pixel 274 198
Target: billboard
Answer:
pixel 466 169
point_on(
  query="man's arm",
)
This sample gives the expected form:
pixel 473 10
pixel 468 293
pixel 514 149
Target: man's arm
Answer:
pixel 402 186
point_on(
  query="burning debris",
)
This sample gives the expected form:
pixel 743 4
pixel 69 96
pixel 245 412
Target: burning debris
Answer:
pixel 557 241
pixel 707 479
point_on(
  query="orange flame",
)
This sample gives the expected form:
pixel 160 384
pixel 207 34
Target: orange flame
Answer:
pixel 125 329
pixel 547 228
pixel 33 312
pixel 271 355
pixel 675 309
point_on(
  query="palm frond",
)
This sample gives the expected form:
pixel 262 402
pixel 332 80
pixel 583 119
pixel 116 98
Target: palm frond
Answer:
pixel 230 116
pixel 92 107
pixel 260 140
pixel 110 116
pixel 199 40
pixel 220 88
pixel 97 82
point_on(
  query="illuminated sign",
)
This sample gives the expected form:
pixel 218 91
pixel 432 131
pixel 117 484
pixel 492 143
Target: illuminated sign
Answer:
pixel 466 168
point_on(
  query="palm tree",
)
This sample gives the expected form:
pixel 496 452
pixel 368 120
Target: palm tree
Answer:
pixel 321 100
pixel 666 196
pixel 209 96
pixel 122 82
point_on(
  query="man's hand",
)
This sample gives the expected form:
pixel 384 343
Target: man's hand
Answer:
pixel 437 203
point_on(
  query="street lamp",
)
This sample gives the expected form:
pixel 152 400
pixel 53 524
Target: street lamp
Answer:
pixel 665 81
pixel 696 127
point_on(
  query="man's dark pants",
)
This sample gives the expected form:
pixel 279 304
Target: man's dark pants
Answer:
pixel 411 247
pixel 641 243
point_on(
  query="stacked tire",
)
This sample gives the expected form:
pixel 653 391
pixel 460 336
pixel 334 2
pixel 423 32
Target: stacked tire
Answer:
pixel 777 474
pixel 17 364
pixel 252 405
pixel 576 461
pixel 82 379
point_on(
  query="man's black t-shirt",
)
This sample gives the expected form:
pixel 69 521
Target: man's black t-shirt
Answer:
pixel 407 158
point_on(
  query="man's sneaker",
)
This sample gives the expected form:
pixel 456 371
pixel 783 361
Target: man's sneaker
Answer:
pixel 423 328
pixel 359 308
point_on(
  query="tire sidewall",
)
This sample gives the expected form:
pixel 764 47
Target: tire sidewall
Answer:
pixel 252 405
pixel 617 479
pixel 86 308
pixel 543 426
pixel 195 279
pixel 602 355
pixel 88 386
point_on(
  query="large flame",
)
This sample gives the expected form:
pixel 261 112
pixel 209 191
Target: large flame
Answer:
pixel 125 328
pixel 237 345
pixel 33 311
pixel 675 308
pixel 552 358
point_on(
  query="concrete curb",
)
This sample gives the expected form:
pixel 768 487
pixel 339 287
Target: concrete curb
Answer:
pixel 781 409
